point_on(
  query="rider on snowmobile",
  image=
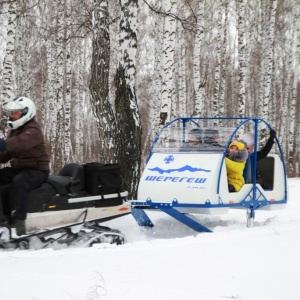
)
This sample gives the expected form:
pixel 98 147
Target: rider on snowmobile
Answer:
pixel 24 147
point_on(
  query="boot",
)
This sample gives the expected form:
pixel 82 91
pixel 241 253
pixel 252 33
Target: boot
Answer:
pixel 19 225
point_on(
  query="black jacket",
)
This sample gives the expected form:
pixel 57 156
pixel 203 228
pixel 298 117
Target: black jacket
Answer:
pixel 266 149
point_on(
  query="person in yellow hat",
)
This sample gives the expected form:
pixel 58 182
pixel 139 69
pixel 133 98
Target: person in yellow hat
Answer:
pixel 235 162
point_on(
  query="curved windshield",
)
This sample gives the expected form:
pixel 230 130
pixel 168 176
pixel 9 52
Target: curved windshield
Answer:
pixel 193 138
pixel 207 134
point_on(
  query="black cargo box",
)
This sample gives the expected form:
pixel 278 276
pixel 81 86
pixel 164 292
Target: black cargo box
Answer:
pixel 101 179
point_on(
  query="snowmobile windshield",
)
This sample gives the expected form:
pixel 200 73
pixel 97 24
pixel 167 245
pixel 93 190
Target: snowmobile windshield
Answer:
pixel 193 139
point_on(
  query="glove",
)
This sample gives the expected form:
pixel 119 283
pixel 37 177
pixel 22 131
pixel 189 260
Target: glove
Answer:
pixel 2 145
pixel 272 134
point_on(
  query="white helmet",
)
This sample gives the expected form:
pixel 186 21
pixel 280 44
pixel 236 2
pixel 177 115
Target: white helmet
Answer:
pixel 23 104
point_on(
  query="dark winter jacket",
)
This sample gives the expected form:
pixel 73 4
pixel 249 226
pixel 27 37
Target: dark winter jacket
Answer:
pixel 25 148
pixel 265 150
pixel 261 154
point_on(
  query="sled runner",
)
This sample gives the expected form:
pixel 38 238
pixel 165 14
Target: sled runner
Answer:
pixel 69 207
pixel 183 180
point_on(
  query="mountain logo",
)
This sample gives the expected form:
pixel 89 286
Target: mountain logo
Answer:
pixel 182 169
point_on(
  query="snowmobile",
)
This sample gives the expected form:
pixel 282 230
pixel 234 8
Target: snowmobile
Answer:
pixel 193 178
pixel 68 208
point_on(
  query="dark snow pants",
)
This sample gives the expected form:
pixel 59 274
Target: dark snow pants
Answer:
pixel 23 181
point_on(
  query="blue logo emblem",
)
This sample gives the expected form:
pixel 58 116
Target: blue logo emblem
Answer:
pixel 169 159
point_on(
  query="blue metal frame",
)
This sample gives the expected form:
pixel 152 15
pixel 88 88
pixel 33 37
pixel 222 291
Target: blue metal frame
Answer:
pixel 253 200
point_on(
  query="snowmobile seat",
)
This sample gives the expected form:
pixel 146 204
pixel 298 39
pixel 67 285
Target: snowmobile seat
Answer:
pixel 69 180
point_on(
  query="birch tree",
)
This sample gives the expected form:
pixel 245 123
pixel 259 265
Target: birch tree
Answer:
pixel 292 48
pixel 7 75
pixel 68 83
pixel 217 106
pixel 78 103
pixel 296 91
pixel 153 67
pixel 182 76
pixel 129 141
pixel 99 84
pixel 269 59
pixel 23 76
pixel 199 82
pixel 241 57
pixel 170 7
pixel 155 103
pixel 58 94
pixel 224 59
pixel 52 88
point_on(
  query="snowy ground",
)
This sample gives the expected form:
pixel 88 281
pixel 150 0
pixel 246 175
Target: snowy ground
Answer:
pixel 170 261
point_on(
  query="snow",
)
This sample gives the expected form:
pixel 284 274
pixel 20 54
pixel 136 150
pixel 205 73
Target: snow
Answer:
pixel 170 261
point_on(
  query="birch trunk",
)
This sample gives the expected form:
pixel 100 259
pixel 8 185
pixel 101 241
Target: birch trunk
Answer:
pixel 170 6
pixel 269 59
pixel 8 83
pixel 68 76
pixel 297 92
pixel 241 57
pixel 78 107
pixel 294 55
pixel 99 84
pixel 284 127
pixel 199 82
pixel 224 60
pixel 182 88
pixel 155 103
pixel 51 90
pixel 129 142
pixel 217 106
pixel 59 86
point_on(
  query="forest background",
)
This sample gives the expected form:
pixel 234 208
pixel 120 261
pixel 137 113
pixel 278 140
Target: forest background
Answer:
pixel 106 75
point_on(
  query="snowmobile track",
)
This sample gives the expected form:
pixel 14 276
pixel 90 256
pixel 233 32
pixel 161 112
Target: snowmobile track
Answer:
pixel 84 234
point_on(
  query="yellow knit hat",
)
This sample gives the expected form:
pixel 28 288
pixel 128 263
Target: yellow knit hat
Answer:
pixel 239 145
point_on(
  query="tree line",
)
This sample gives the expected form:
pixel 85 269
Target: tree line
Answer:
pixel 107 75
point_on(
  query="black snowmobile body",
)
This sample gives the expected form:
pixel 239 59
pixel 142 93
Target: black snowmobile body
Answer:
pixel 84 195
